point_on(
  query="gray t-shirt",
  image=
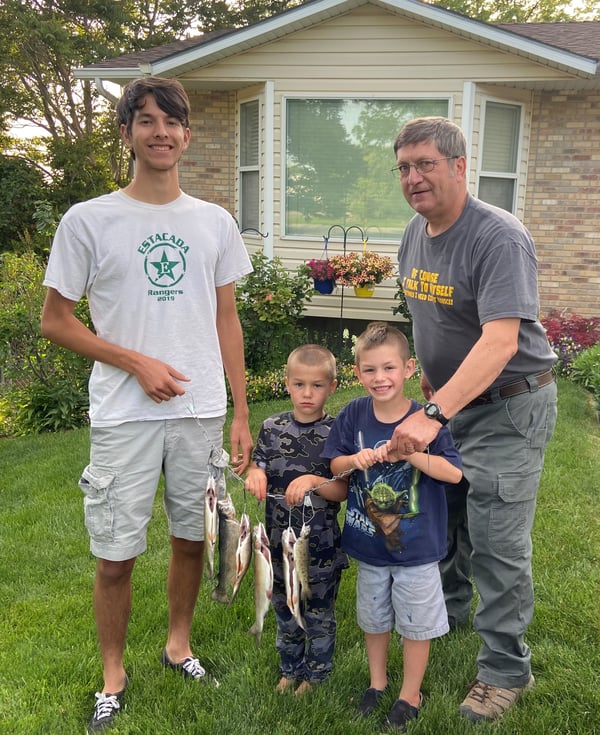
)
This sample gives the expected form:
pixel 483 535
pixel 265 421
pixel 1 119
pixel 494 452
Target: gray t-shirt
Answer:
pixel 481 269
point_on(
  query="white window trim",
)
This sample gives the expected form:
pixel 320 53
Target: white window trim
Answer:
pixel 517 176
pixel 255 168
pixel 336 96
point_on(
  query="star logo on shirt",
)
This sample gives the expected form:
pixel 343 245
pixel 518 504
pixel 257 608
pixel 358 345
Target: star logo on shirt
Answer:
pixel 164 266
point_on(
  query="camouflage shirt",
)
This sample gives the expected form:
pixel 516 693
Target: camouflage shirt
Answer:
pixel 286 448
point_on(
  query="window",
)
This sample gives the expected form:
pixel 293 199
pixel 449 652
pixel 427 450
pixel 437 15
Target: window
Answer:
pixel 338 157
pixel 500 155
pixel 249 166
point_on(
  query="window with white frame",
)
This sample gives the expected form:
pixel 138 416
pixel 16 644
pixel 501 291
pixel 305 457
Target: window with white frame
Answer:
pixel 338 157
pixel 249 196
pixel 498 175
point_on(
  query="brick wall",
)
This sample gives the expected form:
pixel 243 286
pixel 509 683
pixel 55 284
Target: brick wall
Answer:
pixel 207 169
pixel 562 205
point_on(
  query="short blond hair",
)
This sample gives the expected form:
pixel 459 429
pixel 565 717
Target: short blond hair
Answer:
pixel 380 333
pixel 313 356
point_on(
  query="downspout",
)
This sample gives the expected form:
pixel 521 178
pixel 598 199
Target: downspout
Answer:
pixel 104 92
pixel 268 185
pixel 467 123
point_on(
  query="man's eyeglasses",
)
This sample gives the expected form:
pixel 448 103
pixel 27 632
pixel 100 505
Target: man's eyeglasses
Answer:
pixel 424 166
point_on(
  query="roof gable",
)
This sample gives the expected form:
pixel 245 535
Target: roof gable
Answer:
pixel 577 53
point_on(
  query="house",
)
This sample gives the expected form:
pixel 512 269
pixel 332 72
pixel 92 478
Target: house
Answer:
pixel 294 118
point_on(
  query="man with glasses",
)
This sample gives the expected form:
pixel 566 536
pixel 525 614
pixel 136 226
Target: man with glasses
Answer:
pixel 469 274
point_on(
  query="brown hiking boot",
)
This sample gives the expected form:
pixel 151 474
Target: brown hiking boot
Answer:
pixel 486 702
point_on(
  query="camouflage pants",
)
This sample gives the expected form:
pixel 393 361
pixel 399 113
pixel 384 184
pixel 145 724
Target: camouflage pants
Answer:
pixel 307 655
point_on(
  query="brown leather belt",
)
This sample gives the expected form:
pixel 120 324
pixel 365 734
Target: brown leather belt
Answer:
pixel 523 385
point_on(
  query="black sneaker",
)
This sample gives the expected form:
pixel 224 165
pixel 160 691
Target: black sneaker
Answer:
pixel 401 714
pixel 107 707
pixel 369 702
pixel 190 667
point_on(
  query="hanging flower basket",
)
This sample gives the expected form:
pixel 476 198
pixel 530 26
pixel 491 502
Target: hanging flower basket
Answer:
pixel 323 274
pixel 360 269
pixel 324 287
pixel 364 292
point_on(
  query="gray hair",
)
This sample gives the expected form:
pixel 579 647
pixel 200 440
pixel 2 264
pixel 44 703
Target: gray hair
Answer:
pixel 447 136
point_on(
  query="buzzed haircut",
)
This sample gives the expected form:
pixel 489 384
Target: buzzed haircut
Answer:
pixel 448 138
pixel 313 356
pixel 381 333
pixel 169 94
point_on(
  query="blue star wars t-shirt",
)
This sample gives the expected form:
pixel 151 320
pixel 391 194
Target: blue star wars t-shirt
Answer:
pixel 394 514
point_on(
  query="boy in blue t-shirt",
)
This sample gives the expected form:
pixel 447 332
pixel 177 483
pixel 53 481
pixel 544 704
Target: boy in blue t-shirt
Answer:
pixel 396 518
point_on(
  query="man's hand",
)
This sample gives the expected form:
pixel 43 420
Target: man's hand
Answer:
pixel 240 440
pixel 414 434
pixel 159 381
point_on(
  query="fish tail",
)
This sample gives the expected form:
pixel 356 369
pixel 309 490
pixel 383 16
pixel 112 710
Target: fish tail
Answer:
pixel 256 631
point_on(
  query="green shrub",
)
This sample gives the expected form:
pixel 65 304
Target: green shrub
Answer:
pixel 585 370
pixel 44 387
pixel 270 302
pixel 21 184
pixel 569 335
pixel 56 405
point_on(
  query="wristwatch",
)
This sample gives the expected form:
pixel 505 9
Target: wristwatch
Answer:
pixel 433 411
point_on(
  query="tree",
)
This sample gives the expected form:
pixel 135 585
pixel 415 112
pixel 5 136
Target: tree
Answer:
pixel 43 42
pixel 220 14
pixel 522 11
pixel 21 186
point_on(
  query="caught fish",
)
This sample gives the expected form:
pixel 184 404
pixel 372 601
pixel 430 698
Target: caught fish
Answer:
pixel 211 525
pixel 263 580
pixel 229 534
pixel 302 561
pixel 292 584
pixel 243 554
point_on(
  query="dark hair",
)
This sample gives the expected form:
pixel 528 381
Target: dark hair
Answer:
pixel 169 94
pixel 447 136
pixel 381 333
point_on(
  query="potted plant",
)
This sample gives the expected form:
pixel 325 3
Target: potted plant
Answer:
pixel 322 273
pixel 361 270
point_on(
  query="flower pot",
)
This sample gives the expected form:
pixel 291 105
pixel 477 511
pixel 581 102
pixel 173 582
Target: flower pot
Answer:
pixel 365 291
pixel 324 286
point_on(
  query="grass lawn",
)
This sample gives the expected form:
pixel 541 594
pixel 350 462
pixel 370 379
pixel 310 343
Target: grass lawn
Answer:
pixel 50 668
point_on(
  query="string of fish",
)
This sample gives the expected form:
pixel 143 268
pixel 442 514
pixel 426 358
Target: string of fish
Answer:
pixel 236 540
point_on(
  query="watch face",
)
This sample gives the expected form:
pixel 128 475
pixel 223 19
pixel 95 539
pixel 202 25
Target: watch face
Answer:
pixel 432 410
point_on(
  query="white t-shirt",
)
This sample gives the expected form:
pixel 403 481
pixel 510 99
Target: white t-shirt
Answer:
pixel 149 273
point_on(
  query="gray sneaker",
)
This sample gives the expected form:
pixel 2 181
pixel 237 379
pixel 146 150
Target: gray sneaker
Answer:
pixel 486 702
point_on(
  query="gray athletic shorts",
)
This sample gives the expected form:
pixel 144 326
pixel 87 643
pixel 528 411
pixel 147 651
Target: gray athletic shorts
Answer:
pixel 120 483
pixel 409 597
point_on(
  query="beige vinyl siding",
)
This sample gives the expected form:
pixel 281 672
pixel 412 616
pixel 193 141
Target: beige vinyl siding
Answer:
pixel 369 44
